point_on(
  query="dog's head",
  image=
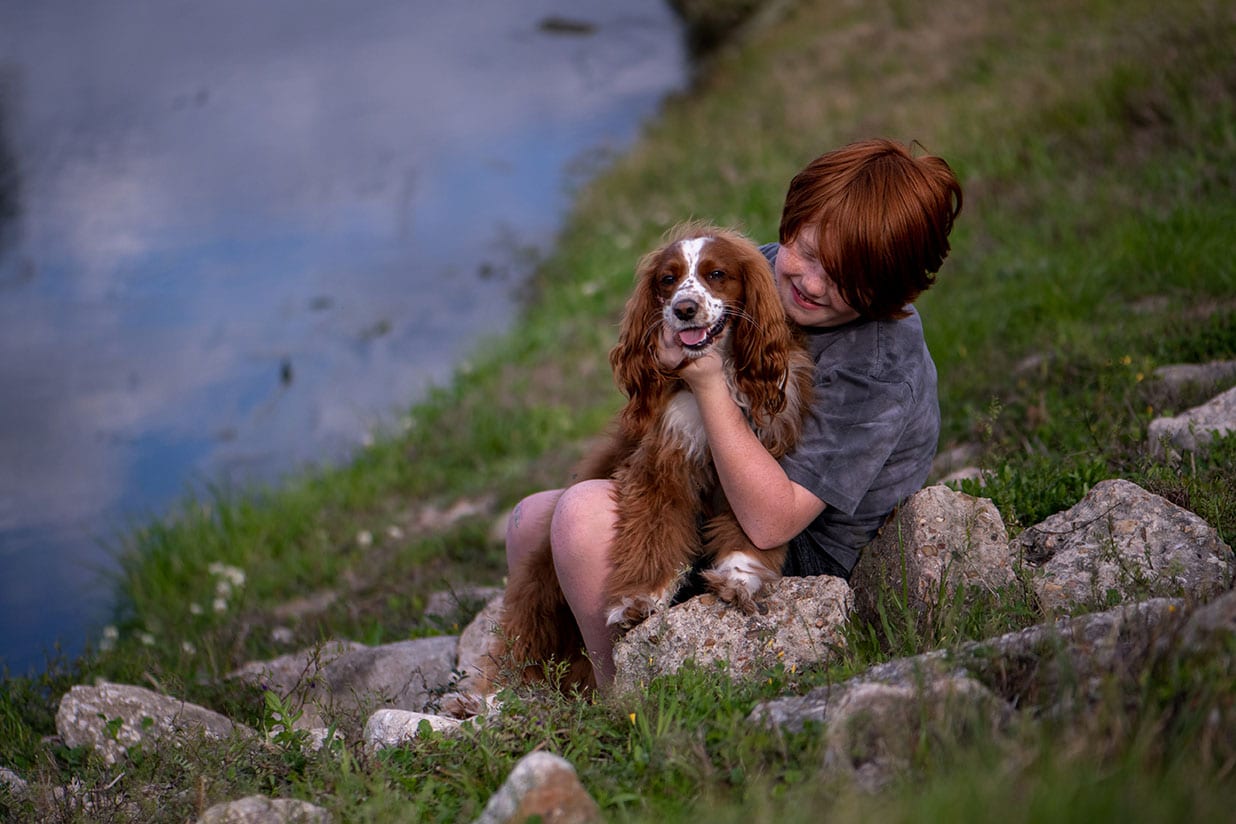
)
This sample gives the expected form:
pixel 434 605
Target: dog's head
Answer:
pixel 713 288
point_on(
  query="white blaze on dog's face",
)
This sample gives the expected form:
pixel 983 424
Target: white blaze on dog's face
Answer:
pixel 698 285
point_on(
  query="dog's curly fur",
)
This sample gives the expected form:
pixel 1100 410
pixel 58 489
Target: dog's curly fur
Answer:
pixel 714 288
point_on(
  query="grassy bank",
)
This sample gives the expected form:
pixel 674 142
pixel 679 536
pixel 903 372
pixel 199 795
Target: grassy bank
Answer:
pixel 1096 143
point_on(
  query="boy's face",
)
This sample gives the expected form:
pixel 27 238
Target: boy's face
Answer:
pixel 807 292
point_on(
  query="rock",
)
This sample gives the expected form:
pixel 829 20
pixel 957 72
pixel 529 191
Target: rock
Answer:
pixel 1055 665
pixel 474 643
pixel 1122 542
pixel 1181 375
pixel 459 605
pixel 306 606
pixel 874 729
pixel 966 473
pixel 283 636
pixel 541 787
pixel 13 783
pixel 113 717
pixel 1211 627
pixel 345 679
pixel 1046 666
pixel 318 737
pixel 948 461
pixel 391 728
pixel 404 675
pixel 938 542
pixel 1207 642
pixel 1192 430
pixel 258 809
pixel 799 622
pixel 295 671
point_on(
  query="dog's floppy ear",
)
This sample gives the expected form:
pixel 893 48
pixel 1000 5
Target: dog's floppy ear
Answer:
pixel 763 337
pixel 634 358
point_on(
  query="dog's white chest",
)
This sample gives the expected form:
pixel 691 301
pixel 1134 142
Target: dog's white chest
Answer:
pixel 684 426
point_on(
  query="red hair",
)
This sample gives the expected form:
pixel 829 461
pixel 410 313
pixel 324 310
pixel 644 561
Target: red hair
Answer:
pixel 882 218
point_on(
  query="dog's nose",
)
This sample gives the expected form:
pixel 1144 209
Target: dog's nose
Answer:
pixel 685 309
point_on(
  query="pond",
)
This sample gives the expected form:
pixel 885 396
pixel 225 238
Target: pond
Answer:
pixel 237 238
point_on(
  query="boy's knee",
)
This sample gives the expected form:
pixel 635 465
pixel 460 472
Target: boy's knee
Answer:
pixel 583 515
pixel 528 525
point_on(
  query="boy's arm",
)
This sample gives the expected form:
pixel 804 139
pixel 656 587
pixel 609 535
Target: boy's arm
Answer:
pixel 770 507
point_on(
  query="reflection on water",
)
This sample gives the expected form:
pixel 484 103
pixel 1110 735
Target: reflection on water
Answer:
pixel 238 235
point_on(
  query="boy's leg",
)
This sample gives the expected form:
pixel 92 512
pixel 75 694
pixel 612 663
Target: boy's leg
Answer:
pixel 581 533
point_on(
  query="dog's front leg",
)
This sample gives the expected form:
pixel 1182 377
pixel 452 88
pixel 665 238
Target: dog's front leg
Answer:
pixel 656 538
pixel 740 568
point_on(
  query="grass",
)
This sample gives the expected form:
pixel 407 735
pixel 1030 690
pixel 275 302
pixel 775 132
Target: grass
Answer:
pixel 1096 143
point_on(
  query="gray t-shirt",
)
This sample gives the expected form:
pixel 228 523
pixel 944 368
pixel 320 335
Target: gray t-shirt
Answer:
pixel 869 438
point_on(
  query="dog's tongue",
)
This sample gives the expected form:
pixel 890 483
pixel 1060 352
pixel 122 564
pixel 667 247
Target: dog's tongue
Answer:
pixel 690 337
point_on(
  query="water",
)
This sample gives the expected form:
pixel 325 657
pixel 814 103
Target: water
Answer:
pixel 247 234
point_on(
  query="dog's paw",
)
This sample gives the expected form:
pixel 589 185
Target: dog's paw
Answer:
pixel 737 579
pixel 466 705
pixel 631 609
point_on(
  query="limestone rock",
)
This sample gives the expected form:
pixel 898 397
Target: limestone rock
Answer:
pixel 541 787
pixel 799 622
pixel 935 543
pixel 1122 542
pixel 1046 666
pixel 1192 430
pixel 874 729
pixel 1206 644
pixel 113 717
pixel 13 782
pixel 459 605
pixel 353 678
pixel 296 670
pixel 1209 627
pixel 474 643
pixel 1180 375
pixel 318 737
pixel 258 809
pixel 404 675
pixel 391 728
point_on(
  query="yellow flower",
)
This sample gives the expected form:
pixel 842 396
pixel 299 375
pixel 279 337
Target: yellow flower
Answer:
pixel 632 717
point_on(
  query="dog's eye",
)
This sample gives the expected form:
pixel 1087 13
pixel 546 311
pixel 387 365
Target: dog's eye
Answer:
pixel 667 279
pixel 716 274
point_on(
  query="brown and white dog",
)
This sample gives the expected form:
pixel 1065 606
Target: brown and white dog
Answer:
pixel 714 289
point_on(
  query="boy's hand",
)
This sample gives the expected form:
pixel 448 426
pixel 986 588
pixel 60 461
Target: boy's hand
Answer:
pixel 696 371
pixel 669 350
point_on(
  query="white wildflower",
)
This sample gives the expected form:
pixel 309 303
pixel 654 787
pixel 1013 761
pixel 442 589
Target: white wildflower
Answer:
pixel 188 648
pixel 364 538
pixel 394 532
pixel 219 605
pixel 146 638
pixel 110 636
pixel 233 575
pixel 223 589
pixel 195 608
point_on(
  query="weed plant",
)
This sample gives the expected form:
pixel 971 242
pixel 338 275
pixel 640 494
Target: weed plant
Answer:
pixel 1096 144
